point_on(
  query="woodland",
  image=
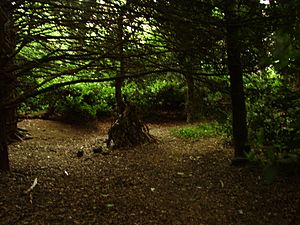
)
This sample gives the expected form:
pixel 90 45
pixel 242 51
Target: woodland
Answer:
pixel 149 112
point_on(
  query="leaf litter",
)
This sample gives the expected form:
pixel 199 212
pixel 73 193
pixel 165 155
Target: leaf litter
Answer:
pixel 173 181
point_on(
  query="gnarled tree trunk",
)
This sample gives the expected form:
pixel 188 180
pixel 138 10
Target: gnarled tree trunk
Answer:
pixel 128 129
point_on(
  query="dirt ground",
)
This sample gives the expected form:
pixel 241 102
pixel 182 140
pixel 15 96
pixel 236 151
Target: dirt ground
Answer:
pixel 173 181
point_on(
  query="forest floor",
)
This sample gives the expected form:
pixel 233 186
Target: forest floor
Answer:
pixel 172 181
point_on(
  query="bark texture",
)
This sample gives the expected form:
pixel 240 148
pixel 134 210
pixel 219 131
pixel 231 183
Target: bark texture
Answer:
pixel 239 113
pixel 4 160
pixel 121 73
pixel 128 130
pixel 8 121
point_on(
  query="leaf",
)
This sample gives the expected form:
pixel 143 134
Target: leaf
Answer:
pixel 110 205
pixel 222 184
pixel 105 195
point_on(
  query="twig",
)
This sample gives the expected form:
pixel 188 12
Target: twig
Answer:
pixel 31 187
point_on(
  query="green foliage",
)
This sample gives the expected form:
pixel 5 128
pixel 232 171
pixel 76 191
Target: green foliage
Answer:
pixel 215 104
pixel 76 111
pixel 85 102
pixel 159 95
pixel 272 109
pixel 275 164
pixel 77 103
pixel 197 131
pixel 274 127
pixel 33 105
pixel 168 98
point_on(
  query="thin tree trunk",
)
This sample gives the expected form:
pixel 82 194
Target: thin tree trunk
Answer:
pixel 119 96
pixel 239 113
pixel 121 72
pixel 297 74
pixel 189 98
pixel 187 58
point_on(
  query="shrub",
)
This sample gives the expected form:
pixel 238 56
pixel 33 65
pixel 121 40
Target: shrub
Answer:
pixel 273 119
pixel 160 95
pixel 84 103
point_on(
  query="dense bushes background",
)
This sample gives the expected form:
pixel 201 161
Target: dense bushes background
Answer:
pixel 273 107
pixel 85 102
pixel 273 116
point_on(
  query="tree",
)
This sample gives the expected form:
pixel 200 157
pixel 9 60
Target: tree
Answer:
pixel 7 79
pixel 233 32
pixel 128 128
pixel 244 34
pixel 26 25
pixel 187 41
pixel 61 42
pixel 118 83
pixel 239 114
pixel 57 43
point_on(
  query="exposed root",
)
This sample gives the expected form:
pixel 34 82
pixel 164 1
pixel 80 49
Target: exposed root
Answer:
pixel 128 130
pixel 19 135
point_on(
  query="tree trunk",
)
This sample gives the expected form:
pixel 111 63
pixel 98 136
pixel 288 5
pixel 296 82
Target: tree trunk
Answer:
pixel 187 60
pixel 8 123
pixel 119 81
pixel 297 74
pixel 189 98
pixel 120 106
pixel 239 113
pixel 4 160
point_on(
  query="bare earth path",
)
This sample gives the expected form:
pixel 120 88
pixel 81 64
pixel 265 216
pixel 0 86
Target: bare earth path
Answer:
pixel 169 182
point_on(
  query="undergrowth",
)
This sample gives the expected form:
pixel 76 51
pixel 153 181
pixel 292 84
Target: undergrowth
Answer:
pixel 198 131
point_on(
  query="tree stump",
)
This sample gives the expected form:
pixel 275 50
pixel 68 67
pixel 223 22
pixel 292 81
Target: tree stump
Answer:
pixel 128 130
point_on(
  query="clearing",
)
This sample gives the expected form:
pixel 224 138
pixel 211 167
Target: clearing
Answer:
pixel 173 181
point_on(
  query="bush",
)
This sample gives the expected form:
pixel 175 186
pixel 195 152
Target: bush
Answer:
pixel 155 97
pixel 81 101
pixel 213 98
pixel 84 103
pixel 158 95
pixel 77 103
pixel 273 117
pixel 75 110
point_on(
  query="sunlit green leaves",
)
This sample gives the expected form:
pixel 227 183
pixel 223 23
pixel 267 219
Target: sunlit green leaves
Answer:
pixel 217 12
